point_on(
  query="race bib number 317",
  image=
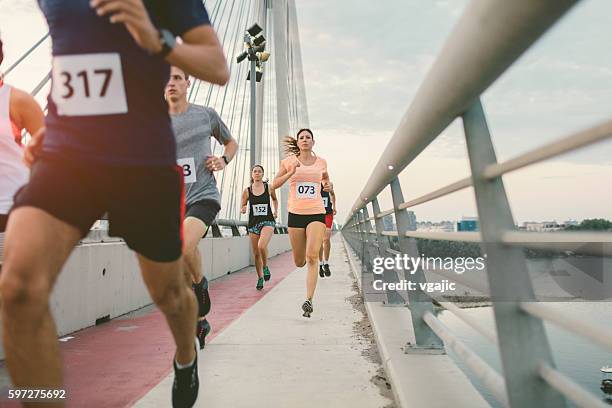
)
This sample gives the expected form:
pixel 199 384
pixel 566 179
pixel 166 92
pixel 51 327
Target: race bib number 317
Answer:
pixel 88 85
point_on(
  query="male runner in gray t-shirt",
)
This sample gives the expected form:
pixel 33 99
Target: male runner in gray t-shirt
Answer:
pixel 193 127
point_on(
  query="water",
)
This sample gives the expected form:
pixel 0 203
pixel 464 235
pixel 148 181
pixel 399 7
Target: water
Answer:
pixel 574 356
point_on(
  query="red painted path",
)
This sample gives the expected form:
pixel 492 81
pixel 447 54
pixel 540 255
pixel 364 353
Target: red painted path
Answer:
pixel 117 363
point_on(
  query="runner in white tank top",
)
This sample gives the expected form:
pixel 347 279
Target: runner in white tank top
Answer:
pixel 18 111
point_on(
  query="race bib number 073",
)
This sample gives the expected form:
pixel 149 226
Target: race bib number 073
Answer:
pixel 88 85
pixel 260 209
pixel 306 190
pixel 188 166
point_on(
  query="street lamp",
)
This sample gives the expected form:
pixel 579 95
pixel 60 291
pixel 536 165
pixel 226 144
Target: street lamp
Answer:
pixel 255 46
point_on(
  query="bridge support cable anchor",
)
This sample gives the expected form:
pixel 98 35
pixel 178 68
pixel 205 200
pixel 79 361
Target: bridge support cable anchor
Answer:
pixel 508 278
pixel 419 301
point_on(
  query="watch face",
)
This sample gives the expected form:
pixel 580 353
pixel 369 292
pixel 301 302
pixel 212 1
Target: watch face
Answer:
pixel 168 39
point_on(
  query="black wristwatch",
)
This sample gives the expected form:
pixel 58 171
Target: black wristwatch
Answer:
pixel 168 42
pixel 225 159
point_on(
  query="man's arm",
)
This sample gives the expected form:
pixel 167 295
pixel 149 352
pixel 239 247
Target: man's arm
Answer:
pixel 26 112
pixel 29 116
pixel 223 135
pixel 200 53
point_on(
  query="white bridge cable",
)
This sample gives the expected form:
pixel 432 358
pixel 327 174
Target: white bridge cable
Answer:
pixel 237 114
pixel 234 88
pixel 25 55
pixel 197 83
pixel 241 141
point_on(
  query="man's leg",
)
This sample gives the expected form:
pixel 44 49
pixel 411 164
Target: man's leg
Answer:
pixel 166 284
pixel 193 231
pixel 36 247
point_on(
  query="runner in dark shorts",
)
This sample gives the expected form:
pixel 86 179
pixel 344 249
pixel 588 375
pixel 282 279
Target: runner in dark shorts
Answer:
pixel 194 127
pixel 261 221
pixel 108 147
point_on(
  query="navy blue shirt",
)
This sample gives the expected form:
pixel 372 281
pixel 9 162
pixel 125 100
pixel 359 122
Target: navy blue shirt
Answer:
pixel 107 99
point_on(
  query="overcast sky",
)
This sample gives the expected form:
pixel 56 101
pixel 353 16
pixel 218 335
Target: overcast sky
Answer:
pixel 364 61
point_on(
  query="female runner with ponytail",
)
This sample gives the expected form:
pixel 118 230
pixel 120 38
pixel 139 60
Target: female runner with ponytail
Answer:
pixel 306 221
pixel 262 217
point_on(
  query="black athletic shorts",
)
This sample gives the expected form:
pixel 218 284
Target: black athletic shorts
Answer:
pixel 302 221
pixel 145 204
pixel 204 210
pixel 3 220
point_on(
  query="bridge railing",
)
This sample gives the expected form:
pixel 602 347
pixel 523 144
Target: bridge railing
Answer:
pixel 488 38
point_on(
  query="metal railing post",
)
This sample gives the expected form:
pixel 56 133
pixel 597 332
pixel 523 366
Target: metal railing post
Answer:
pixel 370 241
pixel 362 239
pixel 235 231
pixel 522 338
pixel 353 233
pixel 393 297
pixel 216 231
pixel 420 303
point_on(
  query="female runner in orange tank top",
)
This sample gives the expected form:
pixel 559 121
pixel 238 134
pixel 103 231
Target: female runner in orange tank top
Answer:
pixel 305 172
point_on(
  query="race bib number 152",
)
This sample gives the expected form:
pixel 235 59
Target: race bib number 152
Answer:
pixel 88 85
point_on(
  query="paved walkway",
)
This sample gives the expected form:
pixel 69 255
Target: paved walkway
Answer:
pixel 272 356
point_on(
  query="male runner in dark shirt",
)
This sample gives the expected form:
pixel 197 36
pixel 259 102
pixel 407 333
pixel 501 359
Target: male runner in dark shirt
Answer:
pixel 108 147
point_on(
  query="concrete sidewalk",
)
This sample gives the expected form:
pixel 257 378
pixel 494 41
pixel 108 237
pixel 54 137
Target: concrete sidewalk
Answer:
pixel 272 356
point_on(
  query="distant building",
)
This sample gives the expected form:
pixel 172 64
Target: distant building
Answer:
pixel 468 224
pixel 389 222
pixel 544 226
pixel 570 223
pixel 412 221
pixel 442 226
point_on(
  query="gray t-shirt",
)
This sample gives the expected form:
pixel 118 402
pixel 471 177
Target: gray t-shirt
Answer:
pixel 192 131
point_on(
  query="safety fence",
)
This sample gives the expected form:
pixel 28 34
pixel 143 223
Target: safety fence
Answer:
pixel 488 38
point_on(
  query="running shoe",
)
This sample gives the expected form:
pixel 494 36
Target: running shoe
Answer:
pixel 307 308
pixel 260 283
pixel 186 384
pixel 321 271
pixel 266 272
pixel 202 330
pixel 201 293
pixel 326 270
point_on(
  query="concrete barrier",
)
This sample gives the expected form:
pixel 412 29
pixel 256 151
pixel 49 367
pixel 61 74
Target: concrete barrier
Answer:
pixel 101 280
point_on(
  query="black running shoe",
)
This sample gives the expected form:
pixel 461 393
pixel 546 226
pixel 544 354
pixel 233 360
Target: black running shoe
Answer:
pixel 321 271
pixel 307 308
pixel 327 271
pixel 186 384
pixel 201 292
pixel 202 330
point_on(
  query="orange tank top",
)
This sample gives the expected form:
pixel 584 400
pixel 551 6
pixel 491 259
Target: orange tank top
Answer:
pixel 305 186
